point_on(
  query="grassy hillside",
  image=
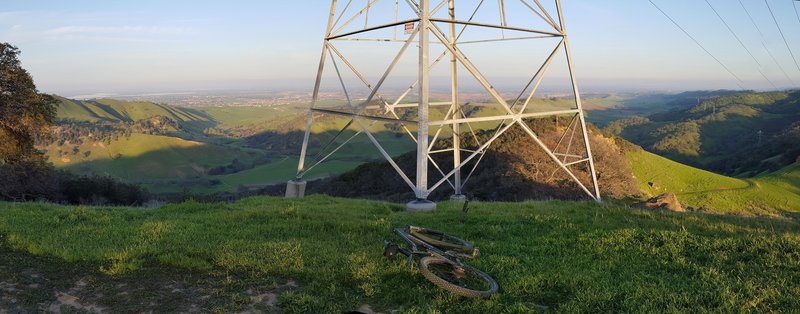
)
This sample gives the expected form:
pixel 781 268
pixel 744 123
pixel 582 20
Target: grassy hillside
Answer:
pixel 323 255
pixel 787 178
pixel 764 195
pixel 153 155
pixel 113 110
pixel 161 163
pixel 228 117
pixel 275 172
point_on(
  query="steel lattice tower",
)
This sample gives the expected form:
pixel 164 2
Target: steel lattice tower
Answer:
pixel 435 23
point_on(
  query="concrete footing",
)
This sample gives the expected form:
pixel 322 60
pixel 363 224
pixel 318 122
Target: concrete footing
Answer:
pixel 420 206
pixel 295 189
pixel 458 197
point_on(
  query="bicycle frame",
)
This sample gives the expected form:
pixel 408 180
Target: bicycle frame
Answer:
pixel 415 242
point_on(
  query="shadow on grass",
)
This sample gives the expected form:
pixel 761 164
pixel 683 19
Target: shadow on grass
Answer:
pixel 34 283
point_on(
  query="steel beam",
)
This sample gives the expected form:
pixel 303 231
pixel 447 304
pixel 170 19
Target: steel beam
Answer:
pixel 574 80
pixel 455 108
pixel 510 28
pixel 505 117
pixel 315 95
pixel 369 29
pixel 421 189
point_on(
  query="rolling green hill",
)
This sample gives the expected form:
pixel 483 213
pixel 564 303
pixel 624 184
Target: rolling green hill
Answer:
pixel 764 195
pixel 741 134
pixel 161 163
pixel 323 255
pixel 112 110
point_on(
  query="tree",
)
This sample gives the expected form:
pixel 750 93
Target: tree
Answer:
pixel 24 112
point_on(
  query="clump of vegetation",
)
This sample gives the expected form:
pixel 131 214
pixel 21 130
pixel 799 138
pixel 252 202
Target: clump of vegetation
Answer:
pixel 616 127
pixel 44 183
pixel 99 190
pixel 682 138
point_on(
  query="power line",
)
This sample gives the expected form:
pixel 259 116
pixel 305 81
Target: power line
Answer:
pixel 741 43
pixel 796 13
pixel 764 43
pixel 784 37
pixel 739 81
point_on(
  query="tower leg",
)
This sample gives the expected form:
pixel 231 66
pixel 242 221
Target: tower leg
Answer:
pixel 456 109
pixel 596 187
pixel 421 189
pixel 296 188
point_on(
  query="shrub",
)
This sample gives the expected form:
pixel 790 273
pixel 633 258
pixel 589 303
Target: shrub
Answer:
pixel 99 190
pixel 37 181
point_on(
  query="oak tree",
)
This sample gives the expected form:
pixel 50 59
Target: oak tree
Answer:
pixel 24 112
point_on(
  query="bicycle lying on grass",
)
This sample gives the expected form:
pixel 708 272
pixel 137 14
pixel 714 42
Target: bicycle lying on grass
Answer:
pixel 441 263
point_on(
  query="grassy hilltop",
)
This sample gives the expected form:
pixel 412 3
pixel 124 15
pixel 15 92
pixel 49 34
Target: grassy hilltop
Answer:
pixel 323 255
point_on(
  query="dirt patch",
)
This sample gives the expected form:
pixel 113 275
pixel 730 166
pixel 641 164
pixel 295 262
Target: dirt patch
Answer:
pixel 45 284
pixel 68 302
pixel 666 201
pixel 267 300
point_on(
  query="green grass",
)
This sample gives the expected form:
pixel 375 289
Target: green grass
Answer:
pixel 565 256
pixel 279 172
pixel 142 157
pixel 228 117
pixel 765 195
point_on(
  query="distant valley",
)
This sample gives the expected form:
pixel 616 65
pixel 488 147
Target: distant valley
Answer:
pixel 741 134
pixel 172 149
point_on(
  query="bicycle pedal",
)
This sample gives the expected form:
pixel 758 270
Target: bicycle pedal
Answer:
pixel 390 250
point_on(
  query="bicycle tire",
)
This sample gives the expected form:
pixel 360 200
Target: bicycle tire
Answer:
pixel 444 241
pixel 427 262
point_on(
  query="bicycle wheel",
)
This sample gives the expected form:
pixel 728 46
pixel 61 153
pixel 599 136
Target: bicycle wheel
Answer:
pixel 442 240
pixel 465 281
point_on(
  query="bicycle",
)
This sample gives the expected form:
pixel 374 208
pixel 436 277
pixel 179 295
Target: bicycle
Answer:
pixel 441 263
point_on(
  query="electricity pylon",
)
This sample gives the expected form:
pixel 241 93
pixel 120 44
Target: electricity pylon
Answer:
pixel 430 24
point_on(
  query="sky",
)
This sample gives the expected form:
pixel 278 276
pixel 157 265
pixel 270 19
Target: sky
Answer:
pixel 78 46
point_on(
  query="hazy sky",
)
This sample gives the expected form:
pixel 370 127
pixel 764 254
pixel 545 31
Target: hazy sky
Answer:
pixel 116 46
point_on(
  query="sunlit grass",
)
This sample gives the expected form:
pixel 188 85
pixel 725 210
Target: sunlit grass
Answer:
pixel 698 188
pixel 567 256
